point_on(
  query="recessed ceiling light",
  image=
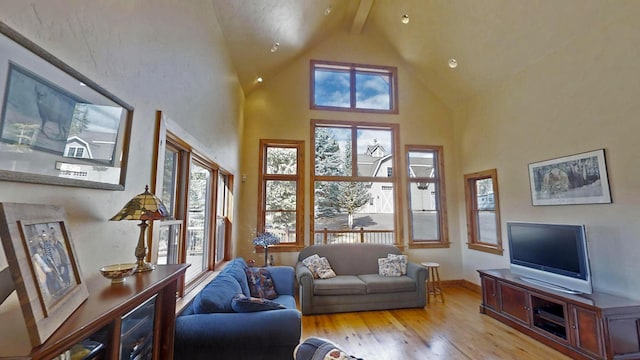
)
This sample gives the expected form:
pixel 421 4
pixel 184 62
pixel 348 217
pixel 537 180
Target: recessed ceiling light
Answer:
pixel 274 47
pixel 328 10
pixel 259 79
pixel 453 63
pixel 405 19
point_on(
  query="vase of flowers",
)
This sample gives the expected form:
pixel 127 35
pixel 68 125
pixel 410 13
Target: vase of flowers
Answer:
pixel 265 240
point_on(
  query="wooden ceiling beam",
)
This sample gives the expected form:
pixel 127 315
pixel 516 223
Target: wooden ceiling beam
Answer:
pixel 361 16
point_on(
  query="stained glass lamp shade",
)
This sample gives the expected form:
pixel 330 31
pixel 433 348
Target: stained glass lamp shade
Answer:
pixel 144 207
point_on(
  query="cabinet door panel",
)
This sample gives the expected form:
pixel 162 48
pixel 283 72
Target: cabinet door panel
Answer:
pixel 587 331
pixel 489 293
pixel 514 302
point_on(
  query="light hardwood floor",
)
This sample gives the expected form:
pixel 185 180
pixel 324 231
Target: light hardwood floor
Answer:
pixel 453 330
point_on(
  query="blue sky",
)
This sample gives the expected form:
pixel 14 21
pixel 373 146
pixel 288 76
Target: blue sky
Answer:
pixel 332 89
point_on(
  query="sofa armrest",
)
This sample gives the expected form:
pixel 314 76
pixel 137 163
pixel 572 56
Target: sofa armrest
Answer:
pixel 283 279
pixel 207 333
pixel 417 273
pixel 305 280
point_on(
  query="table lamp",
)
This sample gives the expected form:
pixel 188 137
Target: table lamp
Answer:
pixel 144 207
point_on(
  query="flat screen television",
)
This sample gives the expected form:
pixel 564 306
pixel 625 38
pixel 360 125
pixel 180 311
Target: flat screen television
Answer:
pixel 551 255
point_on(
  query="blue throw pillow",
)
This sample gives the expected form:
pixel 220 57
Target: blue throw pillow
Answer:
pixel 261 283
pixel 217 295
pixel 241 304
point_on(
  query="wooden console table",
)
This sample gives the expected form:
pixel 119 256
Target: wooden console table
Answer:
pixel 595 326
pixel 135 319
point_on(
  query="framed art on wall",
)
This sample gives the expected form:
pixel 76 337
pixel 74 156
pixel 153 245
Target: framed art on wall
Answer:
pixel 575 179
pixel 56 125
pixel 43 265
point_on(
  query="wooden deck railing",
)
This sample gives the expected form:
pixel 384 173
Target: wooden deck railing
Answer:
pixel 326 236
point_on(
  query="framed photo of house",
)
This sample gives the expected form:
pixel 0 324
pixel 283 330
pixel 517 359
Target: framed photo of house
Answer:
pixel 49 128
pixel 56 125
pixel 575 179
pixel 43 266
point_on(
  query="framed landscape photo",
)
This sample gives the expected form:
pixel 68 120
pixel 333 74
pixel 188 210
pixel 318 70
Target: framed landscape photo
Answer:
pixel 575 179
pixel 56 125
pixel 43 266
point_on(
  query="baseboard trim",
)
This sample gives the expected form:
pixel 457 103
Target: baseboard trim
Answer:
pixel 471 286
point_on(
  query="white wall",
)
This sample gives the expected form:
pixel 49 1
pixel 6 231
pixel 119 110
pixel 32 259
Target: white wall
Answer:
pixel 581 98
pixel 165 54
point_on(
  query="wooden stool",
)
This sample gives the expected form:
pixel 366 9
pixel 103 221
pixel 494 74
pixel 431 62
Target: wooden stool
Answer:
pixel 433 281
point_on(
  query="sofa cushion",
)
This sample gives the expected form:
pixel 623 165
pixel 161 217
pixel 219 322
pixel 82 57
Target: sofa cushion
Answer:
pixel 324 269
pixel 339 285
pixel 287 300
pixel 389 267
pixel 241 303
pixel 261 283
pixel 377 284
pixel 402 260
pixel 319 267
pixel 236 268
pixel 216 296
pixel 351 259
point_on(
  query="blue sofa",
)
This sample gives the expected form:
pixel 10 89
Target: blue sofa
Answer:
pixel 271 334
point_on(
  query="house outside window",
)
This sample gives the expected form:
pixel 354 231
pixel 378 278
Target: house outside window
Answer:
pixel 426 190
pixel 354 195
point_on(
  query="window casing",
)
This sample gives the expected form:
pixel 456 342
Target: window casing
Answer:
pixel 281 192
pixel 353 87
pixel 196 192
pixel 355 194
pixel 483 211
pixel 426 197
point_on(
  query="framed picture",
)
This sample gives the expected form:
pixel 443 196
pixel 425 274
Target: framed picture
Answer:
pixel 45 126
pixel 575 179
pixel 56 125
pixel 43 266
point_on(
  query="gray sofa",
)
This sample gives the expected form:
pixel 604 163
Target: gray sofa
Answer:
pixel 357 286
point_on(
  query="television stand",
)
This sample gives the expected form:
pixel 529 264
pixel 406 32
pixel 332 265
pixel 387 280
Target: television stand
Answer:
pixel 582 326
pixel 550 285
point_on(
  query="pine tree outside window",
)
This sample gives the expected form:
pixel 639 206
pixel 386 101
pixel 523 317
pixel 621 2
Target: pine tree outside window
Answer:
pixel 281 192
pixel 354 190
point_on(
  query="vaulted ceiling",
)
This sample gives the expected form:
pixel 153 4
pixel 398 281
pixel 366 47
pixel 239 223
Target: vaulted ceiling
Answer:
pixel 491 40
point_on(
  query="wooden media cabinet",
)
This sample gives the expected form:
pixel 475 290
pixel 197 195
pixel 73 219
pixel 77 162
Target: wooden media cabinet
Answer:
pixel 593 326
pixel 132 320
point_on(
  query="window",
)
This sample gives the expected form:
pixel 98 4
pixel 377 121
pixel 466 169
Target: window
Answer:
pixel 223 222
pixel 352 87
pixel 198 220
pixel 427 208
pixel 483 211
pixel 196 192
pixel 355 195
pixel 281 191
pixel 77 152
